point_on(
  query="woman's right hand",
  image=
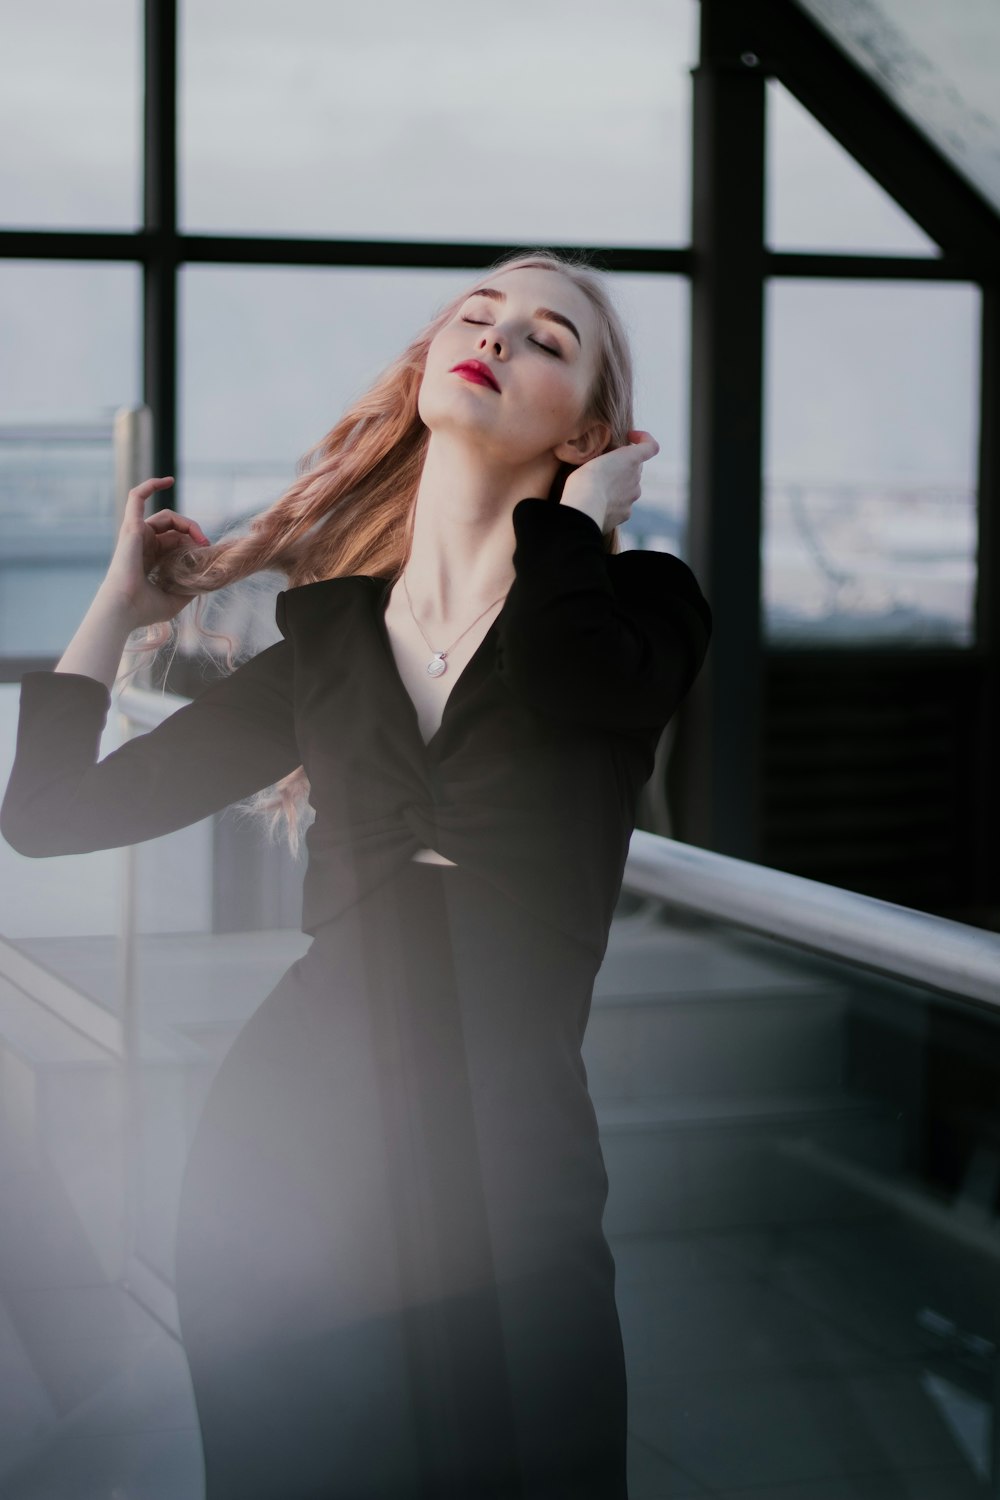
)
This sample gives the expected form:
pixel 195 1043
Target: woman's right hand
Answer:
pixel 142 543
pixel 608 485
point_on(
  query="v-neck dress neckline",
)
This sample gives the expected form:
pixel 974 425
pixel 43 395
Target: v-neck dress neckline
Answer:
pixel 380 598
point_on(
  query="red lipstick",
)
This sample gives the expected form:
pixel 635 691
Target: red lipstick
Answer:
pixel 474 369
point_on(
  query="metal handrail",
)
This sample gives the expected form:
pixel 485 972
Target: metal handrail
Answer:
pixel 897 941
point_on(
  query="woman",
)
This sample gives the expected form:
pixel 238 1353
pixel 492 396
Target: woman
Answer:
pixel 391 1270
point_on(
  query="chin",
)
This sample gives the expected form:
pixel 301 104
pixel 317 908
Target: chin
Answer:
pixel 441 403
pixel 456 410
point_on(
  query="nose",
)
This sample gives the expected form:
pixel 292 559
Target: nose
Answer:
pixel 486 340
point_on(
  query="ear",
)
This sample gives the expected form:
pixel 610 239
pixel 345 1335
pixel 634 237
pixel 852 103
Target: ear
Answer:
pixel 576 450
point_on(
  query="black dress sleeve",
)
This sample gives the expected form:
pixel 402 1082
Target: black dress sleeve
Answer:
pixel 236 737
pixel 608 641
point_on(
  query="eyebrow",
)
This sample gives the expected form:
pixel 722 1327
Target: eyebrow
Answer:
pixel 540 312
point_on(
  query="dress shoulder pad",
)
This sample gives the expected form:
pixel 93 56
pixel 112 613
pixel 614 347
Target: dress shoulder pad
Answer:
pixel 307 601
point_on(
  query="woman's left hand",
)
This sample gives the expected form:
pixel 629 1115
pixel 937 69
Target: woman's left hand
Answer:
pixel 606 487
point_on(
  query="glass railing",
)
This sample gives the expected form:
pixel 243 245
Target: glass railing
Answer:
pixel 802 1139
pixel 804 1207
pixel 119 997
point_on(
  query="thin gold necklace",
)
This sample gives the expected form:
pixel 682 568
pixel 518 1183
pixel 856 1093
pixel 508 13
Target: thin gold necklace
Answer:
pixel 437 663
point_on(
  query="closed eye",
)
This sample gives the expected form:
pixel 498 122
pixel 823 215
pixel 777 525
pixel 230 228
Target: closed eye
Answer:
pixel 548 350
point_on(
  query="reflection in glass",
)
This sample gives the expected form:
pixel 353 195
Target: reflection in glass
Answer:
pixel 804 1212
pixel 870 462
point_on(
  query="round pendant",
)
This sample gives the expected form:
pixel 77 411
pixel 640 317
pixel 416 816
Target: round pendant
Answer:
pixel 436 666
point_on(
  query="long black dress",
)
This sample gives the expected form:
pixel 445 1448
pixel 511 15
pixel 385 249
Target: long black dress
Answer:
pixel 391 1271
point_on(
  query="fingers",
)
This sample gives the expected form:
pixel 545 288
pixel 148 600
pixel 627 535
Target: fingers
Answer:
pixel 138 496
pixel 639 438
pixel 164 520
pixel 135 505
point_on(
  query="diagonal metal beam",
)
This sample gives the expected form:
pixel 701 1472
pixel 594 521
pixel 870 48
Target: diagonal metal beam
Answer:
pixel 876 132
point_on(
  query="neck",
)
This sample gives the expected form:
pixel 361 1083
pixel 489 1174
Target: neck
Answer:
pixel 463 538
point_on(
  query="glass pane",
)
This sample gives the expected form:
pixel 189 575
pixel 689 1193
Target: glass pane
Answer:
pixel 93 1165
pixel 196 988
pixel 72 358
pixel 804 1215
pixel 271 359
pixel 870 462
pixel 820 198
pixel 938 63
pixel 66 897
pixel 71 115
pixel 657 314
pixel 398 121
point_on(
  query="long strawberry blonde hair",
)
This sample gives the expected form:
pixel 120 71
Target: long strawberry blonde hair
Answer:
pixel 350 510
